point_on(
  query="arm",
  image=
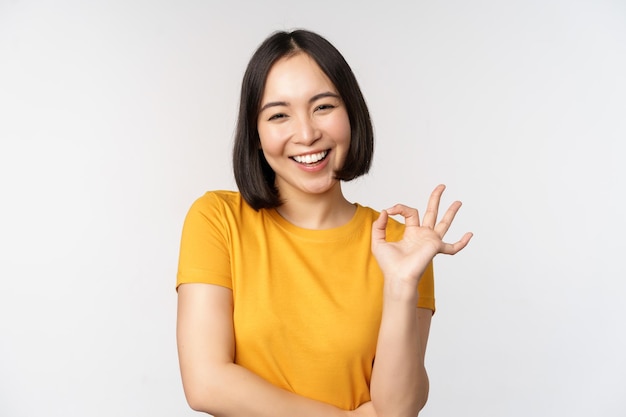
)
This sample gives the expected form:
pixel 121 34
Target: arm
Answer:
pixel 399 384
pixel 399 381
pixel 212 382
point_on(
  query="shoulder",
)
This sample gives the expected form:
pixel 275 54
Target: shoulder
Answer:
pixel 219 201
pixel 218 198
pixel 221 206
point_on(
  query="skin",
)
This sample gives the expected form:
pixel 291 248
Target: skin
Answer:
pixel 302 114
pixel 399 385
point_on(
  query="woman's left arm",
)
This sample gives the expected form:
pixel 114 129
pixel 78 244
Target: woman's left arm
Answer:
pixel 399 386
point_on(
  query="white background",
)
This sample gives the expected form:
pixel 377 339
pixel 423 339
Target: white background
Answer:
pixel 116 115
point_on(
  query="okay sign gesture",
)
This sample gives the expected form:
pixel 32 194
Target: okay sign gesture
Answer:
pixel 405 261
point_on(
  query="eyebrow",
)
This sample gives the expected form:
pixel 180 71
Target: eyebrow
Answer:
pixel 311 100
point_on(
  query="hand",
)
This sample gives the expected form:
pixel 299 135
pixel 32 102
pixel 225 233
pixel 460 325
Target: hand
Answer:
pixel 407 259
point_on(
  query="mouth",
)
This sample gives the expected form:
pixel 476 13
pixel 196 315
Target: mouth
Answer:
pixel 311 159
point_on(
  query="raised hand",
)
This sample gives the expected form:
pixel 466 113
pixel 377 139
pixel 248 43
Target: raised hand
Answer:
pixel 407 259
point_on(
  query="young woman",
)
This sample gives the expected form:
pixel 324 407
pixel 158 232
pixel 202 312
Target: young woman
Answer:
pixel 293 301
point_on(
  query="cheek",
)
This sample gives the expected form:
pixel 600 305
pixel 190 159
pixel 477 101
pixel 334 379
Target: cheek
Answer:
pixel 347 133
pixel 270 141
pixel 343 131
pixel 338 128
pixel 265 141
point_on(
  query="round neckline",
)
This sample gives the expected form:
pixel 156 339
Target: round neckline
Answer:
pixel 325 235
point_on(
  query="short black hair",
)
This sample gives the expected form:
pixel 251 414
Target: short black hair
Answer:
pixel 254 176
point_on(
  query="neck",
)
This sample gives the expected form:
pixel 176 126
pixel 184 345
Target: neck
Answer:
pixel 318 211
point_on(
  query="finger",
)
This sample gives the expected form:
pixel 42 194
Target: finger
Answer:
pixel 430 217
pixel 444 224
pixel 454 248
pixel 411 215
pixel 379 228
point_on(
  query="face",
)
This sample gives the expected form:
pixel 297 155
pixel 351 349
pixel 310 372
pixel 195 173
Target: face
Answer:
pixel 304 128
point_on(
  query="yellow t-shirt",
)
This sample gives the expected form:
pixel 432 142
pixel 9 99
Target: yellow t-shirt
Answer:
pixel 307 303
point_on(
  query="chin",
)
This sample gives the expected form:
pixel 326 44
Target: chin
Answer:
pixel 322 189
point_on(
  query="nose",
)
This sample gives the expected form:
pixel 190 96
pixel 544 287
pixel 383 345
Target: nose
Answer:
pixel 307 132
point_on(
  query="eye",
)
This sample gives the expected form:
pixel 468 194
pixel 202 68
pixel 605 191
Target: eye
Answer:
pixel 277 116
pixel 323 107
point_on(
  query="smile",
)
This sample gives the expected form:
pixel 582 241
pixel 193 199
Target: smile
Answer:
pixel 312 158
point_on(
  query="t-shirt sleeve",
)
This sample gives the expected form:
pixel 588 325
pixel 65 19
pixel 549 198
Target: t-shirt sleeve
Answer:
pixel 426 289
pixel 204 248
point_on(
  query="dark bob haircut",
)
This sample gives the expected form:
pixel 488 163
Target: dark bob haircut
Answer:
pixel 254 177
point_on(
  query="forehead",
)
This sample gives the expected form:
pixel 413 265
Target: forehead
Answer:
pixel 294 76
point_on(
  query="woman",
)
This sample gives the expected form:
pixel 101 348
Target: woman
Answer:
pixel 294 301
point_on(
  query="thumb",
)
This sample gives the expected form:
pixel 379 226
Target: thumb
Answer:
pixel 379 228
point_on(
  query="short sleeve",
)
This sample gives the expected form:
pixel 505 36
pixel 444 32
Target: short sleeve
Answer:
pixel 204 248
pixel 426 289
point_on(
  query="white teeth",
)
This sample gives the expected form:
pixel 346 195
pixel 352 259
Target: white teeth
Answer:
pixel 310 158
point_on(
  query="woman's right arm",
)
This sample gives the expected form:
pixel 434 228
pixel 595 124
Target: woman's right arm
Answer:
pixel 212 382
